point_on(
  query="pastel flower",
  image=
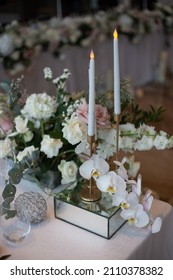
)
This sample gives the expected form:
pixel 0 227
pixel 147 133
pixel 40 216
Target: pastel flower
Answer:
pixel 5 147
pixel 125 200
pixel 39 106
pixel 136 216
pixel 144 144
pixel 94 167
pixel 74 131
pixel 111 183
pixel 68 170
pixel 26 152
pixel 6 125
pixel 21 124
pixel 102 116
pixel 161 142
pixel 50 146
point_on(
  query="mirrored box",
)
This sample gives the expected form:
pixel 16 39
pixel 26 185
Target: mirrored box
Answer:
pixel 98 217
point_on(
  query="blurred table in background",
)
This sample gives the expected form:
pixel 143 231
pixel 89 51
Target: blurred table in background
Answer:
pixel 142 62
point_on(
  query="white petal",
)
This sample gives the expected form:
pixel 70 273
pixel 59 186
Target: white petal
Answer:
pixel 86 168
pixel 119 198
pixel 132 199
pixel 100 164
pixel 138 187
pixel 148 203
pixel 142 219
pixel 156 226
pixel 118 182
pixel 103 182
pixel 127 214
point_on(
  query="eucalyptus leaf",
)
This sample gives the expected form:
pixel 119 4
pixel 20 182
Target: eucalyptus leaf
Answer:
pixel 9 191
pixel 15 175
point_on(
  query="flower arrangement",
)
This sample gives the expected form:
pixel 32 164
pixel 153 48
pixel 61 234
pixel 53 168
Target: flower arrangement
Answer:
pixel 123 192
pixel 19 44
pixel 45 134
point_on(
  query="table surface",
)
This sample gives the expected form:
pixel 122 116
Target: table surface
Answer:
pixel 54 239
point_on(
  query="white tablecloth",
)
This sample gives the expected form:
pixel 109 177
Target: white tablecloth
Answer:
pixel 54 239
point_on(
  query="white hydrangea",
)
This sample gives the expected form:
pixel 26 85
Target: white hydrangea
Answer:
pixel 128 128
pixel 126 143
pixel 161 142
pixel 39 106
pixel 146 130
pixel 144 144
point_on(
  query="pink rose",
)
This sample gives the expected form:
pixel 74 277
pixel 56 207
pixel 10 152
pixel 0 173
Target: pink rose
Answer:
pixel 6 125
pixel 102 116
pixel 82 112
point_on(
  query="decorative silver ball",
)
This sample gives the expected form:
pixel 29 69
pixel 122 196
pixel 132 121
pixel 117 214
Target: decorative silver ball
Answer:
pixel 31 207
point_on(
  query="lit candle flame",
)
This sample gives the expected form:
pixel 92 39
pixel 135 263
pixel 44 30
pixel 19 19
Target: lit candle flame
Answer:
pixel 92 54
pixel 115 34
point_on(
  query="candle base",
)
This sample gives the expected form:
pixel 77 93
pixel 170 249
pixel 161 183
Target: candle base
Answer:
pixel 90 192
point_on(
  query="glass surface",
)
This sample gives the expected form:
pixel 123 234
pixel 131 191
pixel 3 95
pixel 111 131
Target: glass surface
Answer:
pixel 11 227
pixel 101 207
pixel 99 217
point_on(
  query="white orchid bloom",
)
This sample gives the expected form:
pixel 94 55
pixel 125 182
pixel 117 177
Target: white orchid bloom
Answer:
pixel 122 171
pixel 125 200
pixel 111 183
pixel 156 225
pixel 94 167
pixel 83 148
pixel 136 216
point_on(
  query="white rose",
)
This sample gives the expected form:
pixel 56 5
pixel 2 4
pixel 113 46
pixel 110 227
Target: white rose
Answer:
pixel 5 147
pixel 74 131
pixel 68 170
pixel 50 146
pixel 21 124
pixel 27 151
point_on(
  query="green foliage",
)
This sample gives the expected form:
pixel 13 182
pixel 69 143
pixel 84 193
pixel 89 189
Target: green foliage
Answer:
pixel 138 116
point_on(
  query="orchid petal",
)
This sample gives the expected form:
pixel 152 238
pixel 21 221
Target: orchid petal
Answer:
pixel 103 182
pixel 119 198
pixel 100 164
pixel 86 169
pixel 127 214
pixel 133 200
pixel 142 219
pixel 148 203
pixel 156 226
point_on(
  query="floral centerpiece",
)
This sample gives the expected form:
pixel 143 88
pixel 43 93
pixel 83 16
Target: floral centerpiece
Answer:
pixel 45 134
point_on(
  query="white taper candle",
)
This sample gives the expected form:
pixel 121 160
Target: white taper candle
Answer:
pixel 117 106
pixel 91 108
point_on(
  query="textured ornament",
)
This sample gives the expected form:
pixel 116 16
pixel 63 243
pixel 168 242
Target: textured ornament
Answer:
pixel 31 207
